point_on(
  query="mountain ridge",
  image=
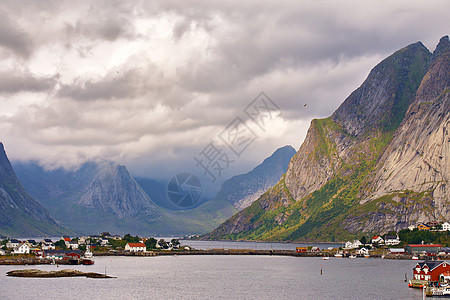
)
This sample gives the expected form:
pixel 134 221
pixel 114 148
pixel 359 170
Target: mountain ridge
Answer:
pixel 319 198
pixel 20 214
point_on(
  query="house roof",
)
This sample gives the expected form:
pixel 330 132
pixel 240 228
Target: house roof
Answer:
pixel 14 241
pixel 391 237
pixel 67 239
pixel 376 237
pixel 48 240
pixel 431 264
pixel 136 245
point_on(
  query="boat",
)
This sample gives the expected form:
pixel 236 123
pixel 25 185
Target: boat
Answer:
pixel 338 254
pixel 352 256
pixel 415 257
pixel 88 258
pixel 326 258
pixel 367 255
pixel 438 292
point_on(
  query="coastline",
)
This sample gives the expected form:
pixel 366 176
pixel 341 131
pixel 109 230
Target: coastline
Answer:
pixel 28 260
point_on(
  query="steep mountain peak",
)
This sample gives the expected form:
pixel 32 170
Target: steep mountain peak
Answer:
pixel 379 163
pixel 442 47
pixel 383 98
pixel 114 191
pixel 20 214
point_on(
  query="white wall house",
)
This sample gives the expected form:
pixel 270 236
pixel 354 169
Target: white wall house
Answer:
pixel 377 240
pixel 22 249
pixel 135 247
pixel 12 244
pixel 2 252
pixel 353 245
pixel 446 226
pixel 391 240
pixel 363 251
pixel 73 245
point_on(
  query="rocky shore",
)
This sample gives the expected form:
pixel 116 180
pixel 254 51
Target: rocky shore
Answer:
pixel 35 273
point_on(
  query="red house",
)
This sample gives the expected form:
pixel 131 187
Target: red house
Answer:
pixel 430 270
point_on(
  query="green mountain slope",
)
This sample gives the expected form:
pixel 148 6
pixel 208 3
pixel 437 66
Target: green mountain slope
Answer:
pixel 329 192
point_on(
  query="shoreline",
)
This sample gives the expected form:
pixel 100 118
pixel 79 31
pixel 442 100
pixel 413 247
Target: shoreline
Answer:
pixel 27 260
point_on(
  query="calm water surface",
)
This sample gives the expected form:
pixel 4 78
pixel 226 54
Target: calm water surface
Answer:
pixel 221 277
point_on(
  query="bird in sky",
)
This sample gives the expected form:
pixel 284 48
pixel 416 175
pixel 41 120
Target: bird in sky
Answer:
pixel 304 105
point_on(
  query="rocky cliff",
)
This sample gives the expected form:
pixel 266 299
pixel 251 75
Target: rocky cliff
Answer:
pixel 20 214
pixel 96 197
pixel 104 197
pixel 380 162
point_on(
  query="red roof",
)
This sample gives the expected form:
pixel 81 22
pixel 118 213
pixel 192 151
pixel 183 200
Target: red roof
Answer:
pixel 67 239
pixel 375 237
pixel 425 245
pixel 136 245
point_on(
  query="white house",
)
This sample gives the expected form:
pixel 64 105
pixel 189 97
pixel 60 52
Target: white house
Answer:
pixel 47 244
pixel 396 251
pixel 446 226
pixel 2 252
pixel 412 227
pixel 377 240
pixel 22 249
pixel 353 245
pixel 363 251
pixel 104 241
pixel 73 245
pixel 13 243
pixel 135 247
pixel 391 240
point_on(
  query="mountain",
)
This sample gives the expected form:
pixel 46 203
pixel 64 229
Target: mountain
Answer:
pixel 379 163
pixel 104 197
pixel 20 214
pixel 96 197
pixel 242 190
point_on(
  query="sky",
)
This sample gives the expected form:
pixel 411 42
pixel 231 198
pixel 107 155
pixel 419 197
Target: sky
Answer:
pixel 206 87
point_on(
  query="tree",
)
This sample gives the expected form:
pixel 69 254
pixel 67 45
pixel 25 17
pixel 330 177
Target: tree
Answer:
pixel 61 244
pixel 175 242
pixel 163 244
pixel 363 240
pixel 151 243
pixel 131 239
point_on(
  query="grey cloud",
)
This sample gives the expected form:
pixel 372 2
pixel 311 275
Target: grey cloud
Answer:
pixel 12 37
pixel 14 82
pixel 113 86
pixel 109 29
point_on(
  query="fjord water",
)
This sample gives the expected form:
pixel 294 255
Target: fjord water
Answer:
pixel 221 277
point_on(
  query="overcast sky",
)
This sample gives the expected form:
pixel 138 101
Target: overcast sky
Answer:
pixel 150 84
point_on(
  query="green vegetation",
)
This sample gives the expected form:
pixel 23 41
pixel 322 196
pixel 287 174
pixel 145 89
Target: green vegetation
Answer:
pixel 418 236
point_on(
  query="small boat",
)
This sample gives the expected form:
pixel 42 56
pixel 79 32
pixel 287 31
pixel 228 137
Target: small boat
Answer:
pixel 415 257
pixel 326 258
pixel 338 255
pixel 88 258
pixel 366 255
pixel 352 256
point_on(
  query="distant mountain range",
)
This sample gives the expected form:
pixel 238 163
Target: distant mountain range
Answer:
pixel 243 190
pixel 381 162
pixel 20 214
pixel 103 196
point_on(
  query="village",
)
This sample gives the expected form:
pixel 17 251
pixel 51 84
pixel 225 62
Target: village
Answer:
pixel 412 243
pixel 68 249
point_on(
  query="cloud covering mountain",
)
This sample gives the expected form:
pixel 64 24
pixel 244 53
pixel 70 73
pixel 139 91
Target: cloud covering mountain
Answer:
pixel 150 84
